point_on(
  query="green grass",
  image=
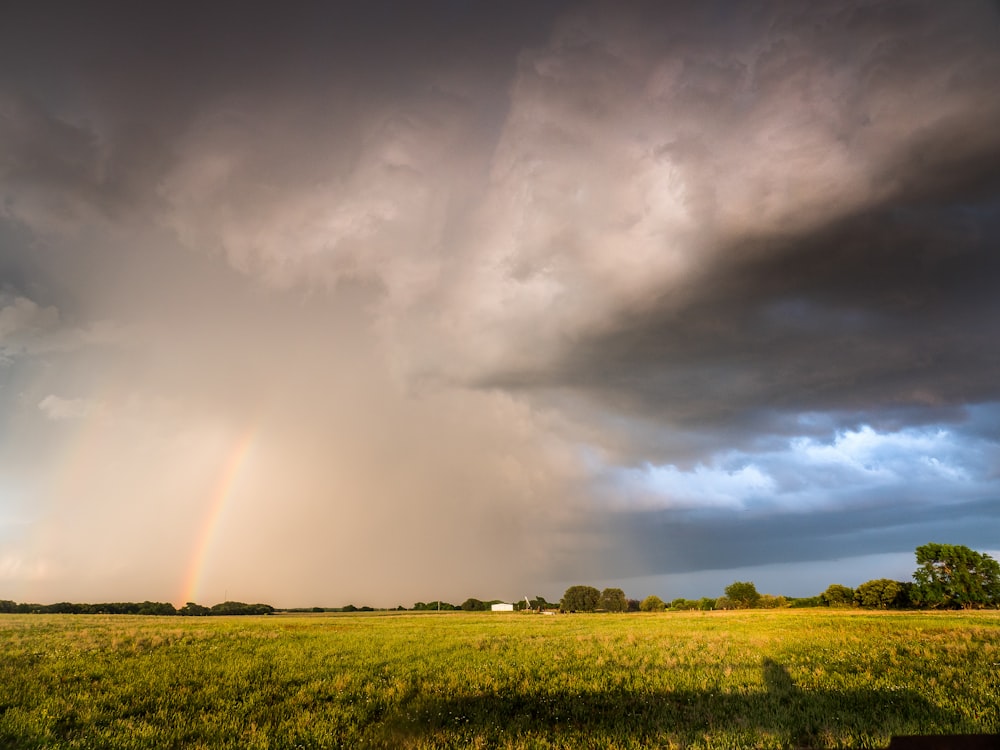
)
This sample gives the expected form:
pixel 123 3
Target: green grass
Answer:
pixel 702 680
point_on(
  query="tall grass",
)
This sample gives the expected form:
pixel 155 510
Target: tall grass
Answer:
pixel 703 680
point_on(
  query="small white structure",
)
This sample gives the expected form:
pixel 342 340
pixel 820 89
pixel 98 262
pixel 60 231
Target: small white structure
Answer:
pixel 502 607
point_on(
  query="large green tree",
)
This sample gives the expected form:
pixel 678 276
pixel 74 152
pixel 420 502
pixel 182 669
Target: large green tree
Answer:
pixel 838 595
pixel 952 576
pixel 742 595
pixel 580 599
pixel 881 593
pixel 613 600
pixel 652 603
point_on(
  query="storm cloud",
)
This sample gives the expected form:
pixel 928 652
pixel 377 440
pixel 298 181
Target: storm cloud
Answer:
pixel 488 301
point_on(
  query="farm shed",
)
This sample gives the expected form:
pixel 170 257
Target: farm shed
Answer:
pixel 502 607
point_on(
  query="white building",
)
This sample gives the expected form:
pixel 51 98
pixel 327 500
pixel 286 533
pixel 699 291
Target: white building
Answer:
pixel 501 607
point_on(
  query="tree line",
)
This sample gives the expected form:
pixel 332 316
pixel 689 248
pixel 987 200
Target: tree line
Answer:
pixel 191 609
pixel 948 577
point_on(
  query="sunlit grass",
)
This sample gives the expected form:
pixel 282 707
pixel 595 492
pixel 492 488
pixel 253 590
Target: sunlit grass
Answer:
pixel 706 680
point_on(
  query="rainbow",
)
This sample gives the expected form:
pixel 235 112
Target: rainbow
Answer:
pixel 229 474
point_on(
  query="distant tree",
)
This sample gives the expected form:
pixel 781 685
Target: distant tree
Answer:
pixel 742 595
pixel 7 606
pixel 905 598
pixel 348 608
pixel 633 605
pixel 241 608
pixel 580 599
pixel 474 605
pixel 157 608
pixel 652 603
pixel 881 593
pixel 723 602
pixel 193 610
pixel 613 600
pixel 954 576
pixel 706 604
pixel 837 595
pixel 537 604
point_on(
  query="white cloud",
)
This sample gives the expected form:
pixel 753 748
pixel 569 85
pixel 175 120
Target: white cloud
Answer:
pixel 809 473
pixel 701 487
pixel 891 457
pixel 57 408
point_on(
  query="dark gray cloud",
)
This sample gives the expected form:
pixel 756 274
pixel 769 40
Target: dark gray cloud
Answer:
pixel 887 314
pixel 687 541
pixel 881 300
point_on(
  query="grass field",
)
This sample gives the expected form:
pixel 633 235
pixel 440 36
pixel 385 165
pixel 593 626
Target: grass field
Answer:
pixel 785 678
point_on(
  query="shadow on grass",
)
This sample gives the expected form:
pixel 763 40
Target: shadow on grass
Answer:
pixel 780 715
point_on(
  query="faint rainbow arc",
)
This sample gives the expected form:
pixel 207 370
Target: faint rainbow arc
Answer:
pixel 221 493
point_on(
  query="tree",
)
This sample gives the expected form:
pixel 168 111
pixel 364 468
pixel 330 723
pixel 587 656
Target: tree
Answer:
pixel 157 608
pixel 881 593
pixel 535 605
pixel 954 576
pixel 613 600
pixel 474 605
pixel 580 599
pixel 652 604
pixel 837 595
pixel 742 595
pixel 242 608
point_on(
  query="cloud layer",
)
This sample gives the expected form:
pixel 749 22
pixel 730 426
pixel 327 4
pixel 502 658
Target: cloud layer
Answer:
pixel 588 289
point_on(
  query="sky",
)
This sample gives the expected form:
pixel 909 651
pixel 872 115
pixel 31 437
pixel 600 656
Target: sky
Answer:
pixel 387 302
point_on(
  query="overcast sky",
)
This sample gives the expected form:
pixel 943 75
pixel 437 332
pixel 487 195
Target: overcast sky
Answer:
pixel 386 302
